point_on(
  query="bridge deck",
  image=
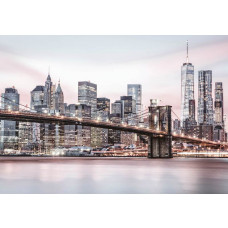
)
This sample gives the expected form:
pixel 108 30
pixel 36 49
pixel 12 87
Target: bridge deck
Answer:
pixel 64 120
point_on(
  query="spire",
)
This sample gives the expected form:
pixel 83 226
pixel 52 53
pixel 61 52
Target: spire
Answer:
pixel 48 77
pixel 187 52
pixel 59 89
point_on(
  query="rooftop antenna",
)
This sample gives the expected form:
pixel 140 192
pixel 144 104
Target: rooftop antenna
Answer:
pixel 49 70
pixel 187 51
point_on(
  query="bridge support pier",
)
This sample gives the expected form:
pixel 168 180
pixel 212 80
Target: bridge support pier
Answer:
pixel 160 147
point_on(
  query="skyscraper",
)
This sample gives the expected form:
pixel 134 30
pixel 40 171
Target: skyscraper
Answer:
pixel 218 104
pixel 205 101
pixel 47 91
pixel 187 88
pixel 192 112
pixel 59 100
pixel 219 132
pixel 117 108
pixel 10 99
pixel 9 129
pixel 77 134
pixel 49 94
pixel 135 90
pixel 37 98
pixel 129 105
pixel 103 104
pixel 87 94
pixel 100 136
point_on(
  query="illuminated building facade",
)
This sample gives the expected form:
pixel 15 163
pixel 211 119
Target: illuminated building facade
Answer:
pixel 205 101
pixel 87 94
pixel 187 89
pixel 135 90
pixel 9 129
pixel 219 131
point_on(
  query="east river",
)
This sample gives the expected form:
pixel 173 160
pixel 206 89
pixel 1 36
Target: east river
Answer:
pixel 113 175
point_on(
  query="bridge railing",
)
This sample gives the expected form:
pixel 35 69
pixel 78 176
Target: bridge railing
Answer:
pixel 111 124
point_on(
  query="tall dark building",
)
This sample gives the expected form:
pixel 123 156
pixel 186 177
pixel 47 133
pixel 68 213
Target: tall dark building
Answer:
pixel 129 105
pixel 205 105
pixel 218 104
pixel 192 111
pixel 114 136
pixel 219 131
pixel 176 126
pixel 205 101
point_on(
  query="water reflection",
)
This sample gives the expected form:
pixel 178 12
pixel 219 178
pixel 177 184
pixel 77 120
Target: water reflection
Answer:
pixel 113 175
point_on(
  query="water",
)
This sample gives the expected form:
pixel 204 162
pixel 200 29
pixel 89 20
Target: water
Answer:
pixel 113 175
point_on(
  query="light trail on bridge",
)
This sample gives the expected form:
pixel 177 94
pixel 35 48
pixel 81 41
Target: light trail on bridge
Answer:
pixel 24 116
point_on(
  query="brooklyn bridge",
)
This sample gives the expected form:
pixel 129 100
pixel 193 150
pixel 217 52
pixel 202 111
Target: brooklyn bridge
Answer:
pixel 159 132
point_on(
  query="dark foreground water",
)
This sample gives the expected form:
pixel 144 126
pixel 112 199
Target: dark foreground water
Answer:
pixel 113 175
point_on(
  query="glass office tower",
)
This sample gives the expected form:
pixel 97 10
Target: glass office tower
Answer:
pixel 187 89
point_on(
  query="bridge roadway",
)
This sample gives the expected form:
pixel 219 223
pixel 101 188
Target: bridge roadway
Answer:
pixel 46 118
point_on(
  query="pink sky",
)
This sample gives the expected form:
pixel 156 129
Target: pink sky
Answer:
pixel 111 62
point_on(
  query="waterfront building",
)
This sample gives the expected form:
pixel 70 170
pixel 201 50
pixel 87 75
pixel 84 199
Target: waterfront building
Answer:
pixel 9 129
pixel 70 131
pixel 205 101
pixel 38 104
pixel 187 89
pixel 129 117
pixel 99 136
pixel 47 99
pixel 219 132
pixel 87 94
pixel 77 134
pixel 114 136
pixel 225 127
pixel 205 104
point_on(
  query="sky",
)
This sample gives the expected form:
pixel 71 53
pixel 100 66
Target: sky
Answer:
pixel 111 62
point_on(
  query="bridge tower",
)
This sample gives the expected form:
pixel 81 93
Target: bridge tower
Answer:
pixel 160 146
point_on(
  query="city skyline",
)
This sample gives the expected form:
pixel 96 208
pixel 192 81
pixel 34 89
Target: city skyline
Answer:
pixel 105 60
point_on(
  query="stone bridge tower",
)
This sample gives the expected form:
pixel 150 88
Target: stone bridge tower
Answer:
pixel 160 146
